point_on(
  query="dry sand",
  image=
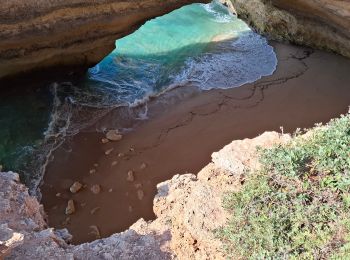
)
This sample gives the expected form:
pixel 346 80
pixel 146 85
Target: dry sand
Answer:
pixel 184 127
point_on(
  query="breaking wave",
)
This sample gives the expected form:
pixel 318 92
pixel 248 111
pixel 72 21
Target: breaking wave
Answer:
pixel 200 45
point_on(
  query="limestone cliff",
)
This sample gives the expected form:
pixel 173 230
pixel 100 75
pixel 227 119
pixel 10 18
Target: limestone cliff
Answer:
pixel 322 24
pixel 183 229
pixel 37 34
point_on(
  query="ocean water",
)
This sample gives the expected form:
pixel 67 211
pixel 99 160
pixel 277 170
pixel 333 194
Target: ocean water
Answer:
pixel 200 45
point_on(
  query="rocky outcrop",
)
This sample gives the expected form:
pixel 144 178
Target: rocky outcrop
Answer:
pixel 322 24
pixel 20 214
pixel 36 34
pixel 188 210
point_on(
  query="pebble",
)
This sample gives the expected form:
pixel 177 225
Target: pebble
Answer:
pixel 143 166
pixel 70 209
pixel 130 208
pixel 96 189
pixel 1 167
pixel 121 154
pixel 66 221
pixel 108 152
pixel 131 149
pixel 130 177
pixel 92 171
pixel 75 187
pixel 94 210
pixel 95 165
pixel 110 190
pixel 95 231
pixel 138 185
pixel 58 194
pixel 140 194
pixel 83 204
pixel 104 140
pixel 114 135
pixel 114 163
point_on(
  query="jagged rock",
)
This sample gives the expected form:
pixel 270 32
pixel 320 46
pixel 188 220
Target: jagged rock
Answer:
pixel 130 176
pixel 95 189
pixel 322 24
pixel 70 209
pixel 240 155
pixel 64 234
pixel 76 186
pixel 114 135
pixel 8 240
pixel 19 210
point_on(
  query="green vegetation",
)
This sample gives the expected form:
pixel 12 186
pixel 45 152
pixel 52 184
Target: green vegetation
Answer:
pixel 297 205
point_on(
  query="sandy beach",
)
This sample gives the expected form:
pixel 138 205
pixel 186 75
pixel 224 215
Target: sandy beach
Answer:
pixel 184 127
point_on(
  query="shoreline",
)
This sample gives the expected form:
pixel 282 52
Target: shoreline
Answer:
pixel 179 137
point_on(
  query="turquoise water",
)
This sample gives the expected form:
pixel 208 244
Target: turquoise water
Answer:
pixel 201 45
pixel 197 45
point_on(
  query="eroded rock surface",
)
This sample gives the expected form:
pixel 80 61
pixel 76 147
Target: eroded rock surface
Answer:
pixel 322 24
pixel 188 210
pixel 37 34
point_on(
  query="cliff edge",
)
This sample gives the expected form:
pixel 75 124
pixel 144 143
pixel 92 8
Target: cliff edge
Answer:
pixel 183 229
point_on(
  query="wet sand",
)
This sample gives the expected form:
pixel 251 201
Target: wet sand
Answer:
pixel 184 128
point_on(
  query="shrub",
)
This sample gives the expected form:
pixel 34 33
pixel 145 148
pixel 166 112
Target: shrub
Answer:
pixel 297 205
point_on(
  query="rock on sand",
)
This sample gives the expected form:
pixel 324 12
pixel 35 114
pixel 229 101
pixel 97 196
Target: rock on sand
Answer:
pixel 114 135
